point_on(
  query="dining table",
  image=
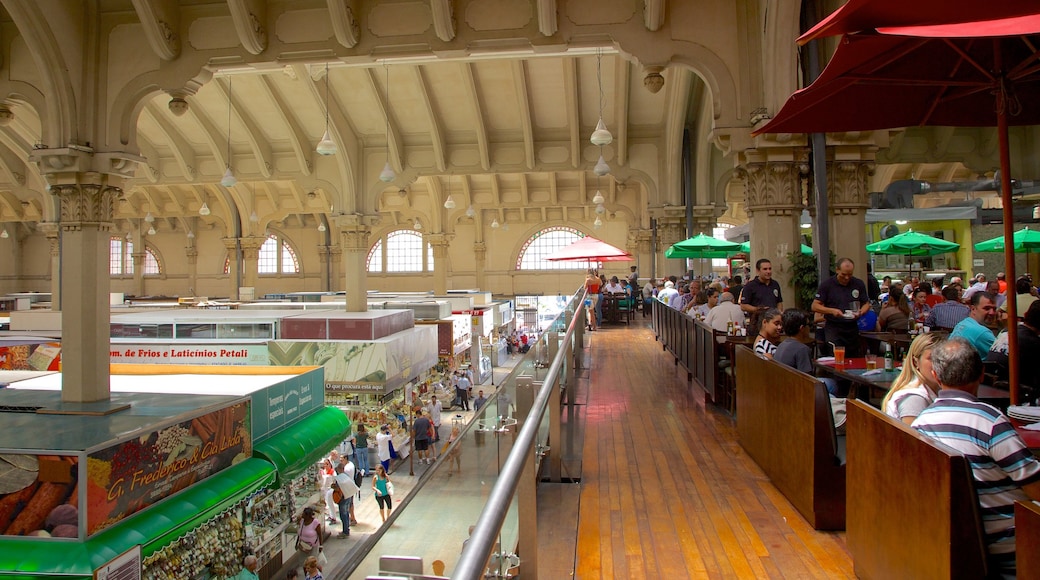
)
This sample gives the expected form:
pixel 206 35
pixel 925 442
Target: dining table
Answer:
pixel 879 381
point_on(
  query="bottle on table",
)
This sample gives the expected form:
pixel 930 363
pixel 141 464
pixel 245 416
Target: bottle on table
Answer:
pixel 889 356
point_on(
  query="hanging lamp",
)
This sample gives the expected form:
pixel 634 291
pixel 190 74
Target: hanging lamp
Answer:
pixel 204 210
pixel 327 146
pixel 601 136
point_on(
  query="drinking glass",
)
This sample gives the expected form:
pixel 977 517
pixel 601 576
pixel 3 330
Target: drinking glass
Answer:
pixel 871 361
pixel 839 355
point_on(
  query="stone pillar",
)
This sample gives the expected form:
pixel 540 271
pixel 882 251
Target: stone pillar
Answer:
pixel 704 219
pixel 53 234
pixel 326 268
pixel 670 229
pixel 440 243
pixel 250 259
pixel 774 205
pixel 355 237
pixel 848 199
pixel 86 214
pixel 234 275
pixel 480 264
pixel 138 261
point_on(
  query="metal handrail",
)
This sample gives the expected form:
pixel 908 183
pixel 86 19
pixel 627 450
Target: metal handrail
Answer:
pixel 473 561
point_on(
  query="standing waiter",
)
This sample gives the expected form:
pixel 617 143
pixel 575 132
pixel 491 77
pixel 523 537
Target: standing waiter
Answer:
pixel 842 299
pixel 760 294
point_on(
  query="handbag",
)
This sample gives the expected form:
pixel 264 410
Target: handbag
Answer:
pixel 389 487
pixel 303 546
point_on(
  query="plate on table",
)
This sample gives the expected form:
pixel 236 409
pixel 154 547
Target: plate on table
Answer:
pixel 1024 413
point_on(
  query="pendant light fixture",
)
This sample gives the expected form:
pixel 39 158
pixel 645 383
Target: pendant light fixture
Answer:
pixel 417 225
pixel 151 231
pixel 598 198
pixel 601 136
pixel 449 203
pixel 204 210
pixel 229 178
pixel 494 224
pixel 327 146
pixel 191 235
pixel 149 218
pixel 598 223
pixel 470 212
pixel 387 175
pixel 321 225
pixel 4 234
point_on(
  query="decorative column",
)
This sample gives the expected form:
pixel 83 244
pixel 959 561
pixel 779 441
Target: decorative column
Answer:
pixel 704 219
pixel 355 235
pixel 774 205
pixel 440 243
pixel 234 266
pixel 326 268
pixel 671 228
pixel 53 235
pixel 848 199
pixel 480 264
pixel 138 261
pixel 250 259
pixel 86 215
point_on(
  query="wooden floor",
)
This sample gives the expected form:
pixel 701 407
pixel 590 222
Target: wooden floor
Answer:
pixel 665 489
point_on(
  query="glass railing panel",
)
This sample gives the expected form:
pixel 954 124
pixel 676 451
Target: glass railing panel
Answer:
pixel 434 521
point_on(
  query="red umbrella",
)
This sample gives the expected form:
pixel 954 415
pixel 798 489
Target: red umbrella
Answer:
pixel 591 250
pixel 858 15
pixel 938 75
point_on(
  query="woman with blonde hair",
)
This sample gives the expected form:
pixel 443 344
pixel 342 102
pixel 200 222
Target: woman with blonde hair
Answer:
pixel 915 388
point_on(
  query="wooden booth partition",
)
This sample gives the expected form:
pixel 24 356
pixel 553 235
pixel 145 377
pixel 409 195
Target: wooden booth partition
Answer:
pixel 1027 539
pixel 785 424
pixel 706 360
pixel 912 508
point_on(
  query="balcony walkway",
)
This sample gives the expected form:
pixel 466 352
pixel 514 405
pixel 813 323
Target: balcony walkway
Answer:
pixel 665 489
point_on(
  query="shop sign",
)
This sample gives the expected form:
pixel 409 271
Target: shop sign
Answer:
pixel 190 354
pixel 31 357
pixel 355 387
pixel 286 402
pixel 45 485
pixel 123 567
pixel 126 478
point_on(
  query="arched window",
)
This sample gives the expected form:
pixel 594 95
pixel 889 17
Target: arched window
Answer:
pixel 277 257
pixel 546 243
pixel 121 259
pixel 401 251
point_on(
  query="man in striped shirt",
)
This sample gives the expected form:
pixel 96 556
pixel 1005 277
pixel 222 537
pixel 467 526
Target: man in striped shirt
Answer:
pixel 1003 467
pixel 947 314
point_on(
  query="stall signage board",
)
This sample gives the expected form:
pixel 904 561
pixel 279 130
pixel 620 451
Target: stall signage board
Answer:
pixel 126 478
pixel 190 354
pixel 126 566
pixel 284 403
pixel 40 484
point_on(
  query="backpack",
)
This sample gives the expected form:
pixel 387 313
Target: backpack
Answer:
pixel 357 478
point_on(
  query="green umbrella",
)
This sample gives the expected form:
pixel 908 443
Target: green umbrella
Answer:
pixel 702 246
pixel 746 248
pixel 912 243
pixel 1026 241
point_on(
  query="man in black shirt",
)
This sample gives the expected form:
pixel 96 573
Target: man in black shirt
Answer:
pixel 842 299
pixel 873 288
pixel 760 294
pixel 736 285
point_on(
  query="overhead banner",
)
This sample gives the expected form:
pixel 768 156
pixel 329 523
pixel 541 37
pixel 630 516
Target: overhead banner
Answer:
pixel 127 477
pixel 189 354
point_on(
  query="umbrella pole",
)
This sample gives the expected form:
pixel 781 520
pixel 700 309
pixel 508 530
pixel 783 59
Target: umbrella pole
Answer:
pixel 1009 226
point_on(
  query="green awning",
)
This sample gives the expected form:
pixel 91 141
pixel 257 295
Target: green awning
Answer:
pixel 300 445
pixel 153 528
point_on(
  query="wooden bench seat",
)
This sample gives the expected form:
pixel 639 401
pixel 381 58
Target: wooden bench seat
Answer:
pixel 912 508
pixel 785 424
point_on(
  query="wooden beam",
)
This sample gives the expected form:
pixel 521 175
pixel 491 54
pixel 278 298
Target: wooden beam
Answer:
pixel 622 78
pixel 480 126
pixel 160 20
pixel 297 138
pixel 443 19
pixel 440 155
pixel 344 22
pixel 182 150
pixel 250 18
pixel 393 135
pixel 522 97
pixel 254 136
pixel 570 99
pixel 547 18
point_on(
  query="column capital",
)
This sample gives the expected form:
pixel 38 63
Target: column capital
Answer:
pixel 848 182
pixel 86 204
pixel 773 186
pixel 355 237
